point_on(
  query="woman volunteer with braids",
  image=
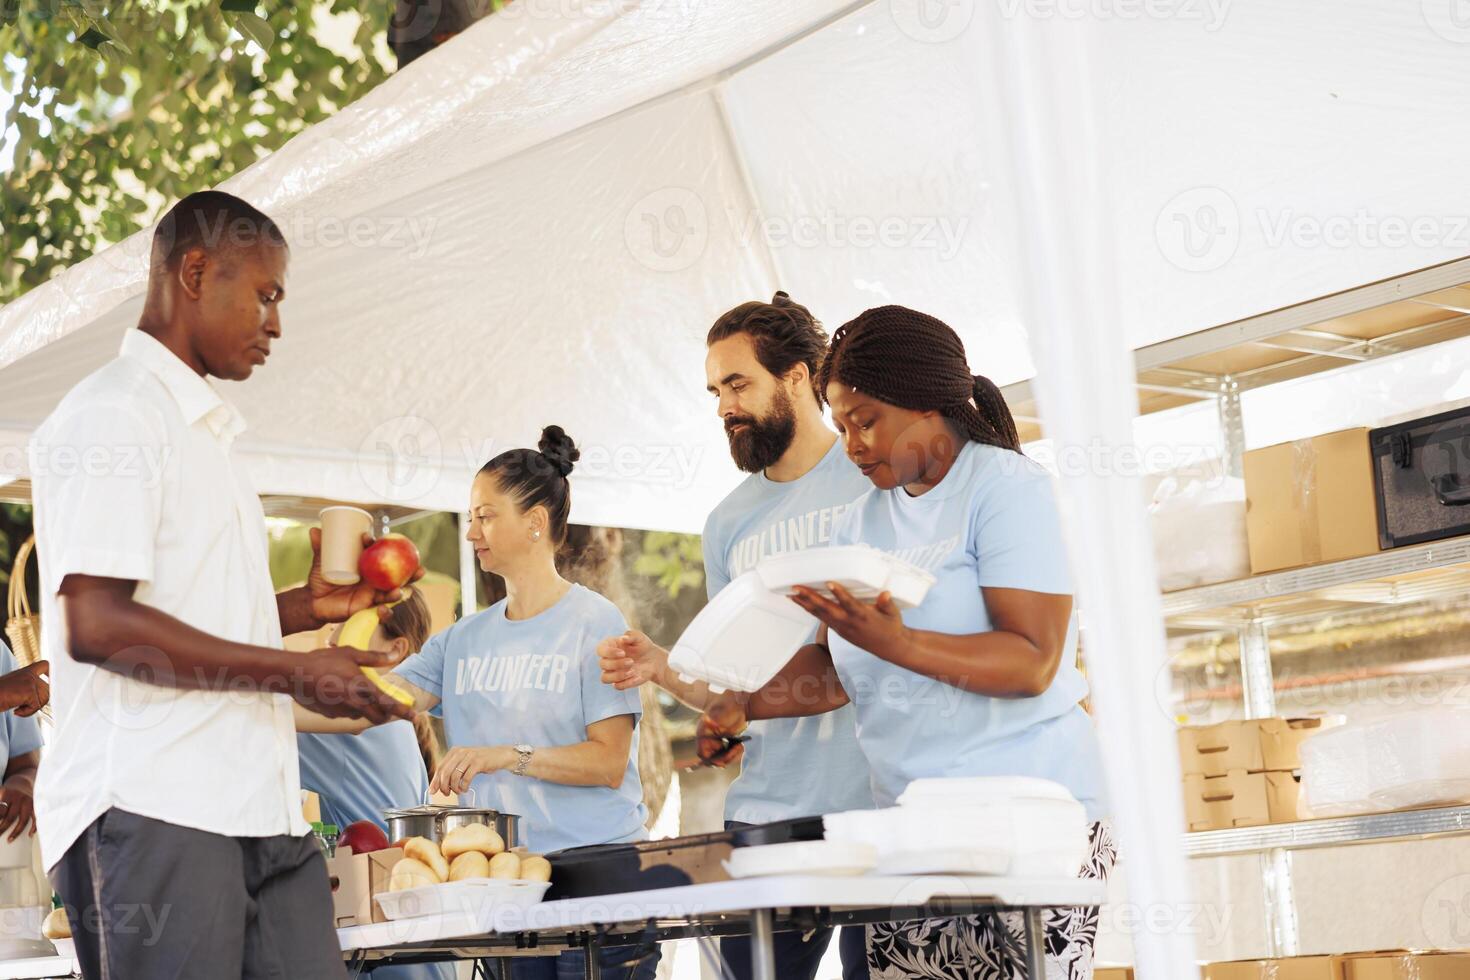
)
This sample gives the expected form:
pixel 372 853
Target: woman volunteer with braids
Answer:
pixel 981 678
pixel 531 727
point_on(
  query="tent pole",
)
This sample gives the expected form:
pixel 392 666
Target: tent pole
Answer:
pixel 1042 76
pixel 468 572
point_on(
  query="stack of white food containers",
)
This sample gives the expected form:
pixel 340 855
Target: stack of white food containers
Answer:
pixel 973 825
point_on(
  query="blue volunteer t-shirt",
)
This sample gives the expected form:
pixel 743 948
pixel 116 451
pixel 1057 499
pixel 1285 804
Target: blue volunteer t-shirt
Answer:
pixel 537 681
pixel 360 776
pixel 991 522
pixel 793 767
pixel 21 735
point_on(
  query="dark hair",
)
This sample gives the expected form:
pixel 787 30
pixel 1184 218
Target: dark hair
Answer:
pixel 784 332
pixel 539 476
pixel 214 221
pixel 410 620
pixel 915 361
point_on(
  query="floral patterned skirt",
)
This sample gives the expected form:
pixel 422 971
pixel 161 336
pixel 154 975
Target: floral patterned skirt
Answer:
pixel 991 946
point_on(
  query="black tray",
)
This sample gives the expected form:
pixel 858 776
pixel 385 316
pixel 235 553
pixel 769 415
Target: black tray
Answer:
pixel 780 832
pixel 610 869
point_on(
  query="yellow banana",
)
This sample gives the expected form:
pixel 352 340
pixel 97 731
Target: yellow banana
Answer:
pixel 357 633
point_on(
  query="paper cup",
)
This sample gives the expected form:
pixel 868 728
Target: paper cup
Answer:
pixel 342 531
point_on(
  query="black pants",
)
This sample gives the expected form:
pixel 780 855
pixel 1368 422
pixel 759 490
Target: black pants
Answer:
pixel 153 901
pixel 798 954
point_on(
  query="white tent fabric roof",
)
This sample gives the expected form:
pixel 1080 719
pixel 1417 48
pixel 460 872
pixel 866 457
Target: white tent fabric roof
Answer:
pixel 538 221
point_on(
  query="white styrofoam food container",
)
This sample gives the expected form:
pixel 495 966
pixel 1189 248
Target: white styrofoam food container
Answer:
pixel 470 896
pixel 861 570
pixel 803 857
pixel 742 637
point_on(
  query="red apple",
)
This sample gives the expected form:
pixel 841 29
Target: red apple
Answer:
pixel 363 837
pixel 389 562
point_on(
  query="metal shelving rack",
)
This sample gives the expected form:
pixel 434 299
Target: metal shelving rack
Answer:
pixel 1408 312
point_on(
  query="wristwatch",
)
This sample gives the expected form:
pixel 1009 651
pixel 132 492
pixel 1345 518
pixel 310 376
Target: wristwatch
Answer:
pixel 525 752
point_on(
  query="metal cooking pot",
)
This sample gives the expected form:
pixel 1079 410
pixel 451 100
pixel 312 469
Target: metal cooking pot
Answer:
pixel 432 821
pixel 418 821
pixel 507 825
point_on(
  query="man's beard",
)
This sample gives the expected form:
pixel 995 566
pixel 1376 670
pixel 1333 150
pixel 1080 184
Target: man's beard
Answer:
pixel 765 440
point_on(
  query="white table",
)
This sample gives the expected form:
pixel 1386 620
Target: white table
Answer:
pixel 38 968
pixel 494 932
pixel 498 931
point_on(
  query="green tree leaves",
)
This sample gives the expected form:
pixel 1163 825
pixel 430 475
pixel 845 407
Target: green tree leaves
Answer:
pixel 123 106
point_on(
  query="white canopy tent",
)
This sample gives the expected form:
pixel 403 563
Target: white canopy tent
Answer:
pixel 537 222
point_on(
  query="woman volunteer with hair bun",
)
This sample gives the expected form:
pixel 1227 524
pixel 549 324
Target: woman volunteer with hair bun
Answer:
pixel 531 727
pixel 981 678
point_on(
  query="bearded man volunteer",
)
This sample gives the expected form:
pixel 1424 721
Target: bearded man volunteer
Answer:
pixel 761 360
pixel 169 804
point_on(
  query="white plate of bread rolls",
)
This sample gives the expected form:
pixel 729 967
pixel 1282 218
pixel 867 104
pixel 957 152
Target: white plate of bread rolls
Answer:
pixel 464 872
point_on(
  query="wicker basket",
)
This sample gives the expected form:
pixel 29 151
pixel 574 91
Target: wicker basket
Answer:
pixel 22 626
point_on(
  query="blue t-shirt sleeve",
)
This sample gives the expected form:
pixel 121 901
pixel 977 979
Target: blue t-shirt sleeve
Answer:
pixel 321 762
pixel 716 575
pixel 1016 530
pixel 602 701
pixel 22 735
pixel 425 669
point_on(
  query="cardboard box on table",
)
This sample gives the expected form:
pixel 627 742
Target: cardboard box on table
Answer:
pixel 1257 745
pixel 1400 965
pixel 1310 501
pixel 356 878
pixel 1242 799
pixel 1286 968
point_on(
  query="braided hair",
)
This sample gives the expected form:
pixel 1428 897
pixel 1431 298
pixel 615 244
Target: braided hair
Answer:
pixel 539 476
pixel 915 361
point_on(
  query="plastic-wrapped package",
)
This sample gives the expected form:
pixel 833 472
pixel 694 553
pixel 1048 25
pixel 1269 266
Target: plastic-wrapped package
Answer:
pixel 1413 759
pixel 1185 503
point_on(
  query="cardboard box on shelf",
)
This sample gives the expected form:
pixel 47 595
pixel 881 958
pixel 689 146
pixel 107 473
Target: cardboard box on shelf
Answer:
pixel 1400 965
pixel 1241 799
pixel 1113 973
pixel 1310 501
pixel 1258 745
pixel 1285 968
pixel 356 878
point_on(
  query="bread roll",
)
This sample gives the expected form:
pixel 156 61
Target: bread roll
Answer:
pixel 472 837
pixel 470 864
pixel 426 851
pixel 56 925
pixel 535 868
pixel 506 865
pixel 410 873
